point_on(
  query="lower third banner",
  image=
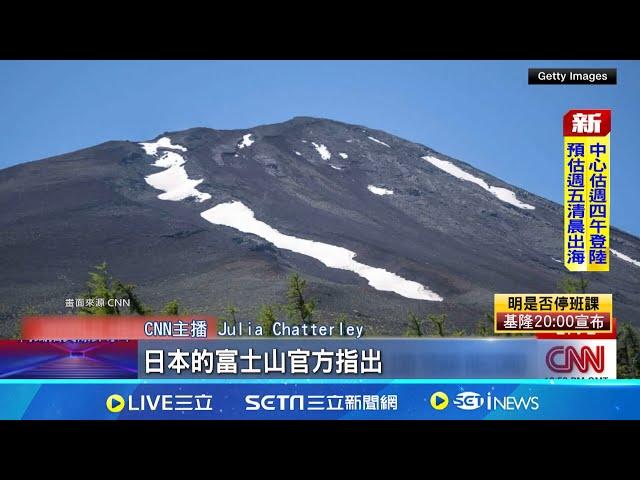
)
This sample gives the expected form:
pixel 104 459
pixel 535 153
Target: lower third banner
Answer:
pixel 320 400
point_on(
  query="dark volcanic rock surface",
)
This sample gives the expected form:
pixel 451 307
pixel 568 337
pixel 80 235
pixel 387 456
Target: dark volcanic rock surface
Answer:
pixel 62 215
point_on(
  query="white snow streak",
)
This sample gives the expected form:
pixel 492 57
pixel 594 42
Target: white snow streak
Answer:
pixel 239 216
pixel 168 160
pixel 324 152
pixel 379 141
pixel 503 194
pixel 556 260
pixel 173 180
pixel 299 154
pixel 343 155
pixel 379 190
pixel 151 148
pixel 246 141
pixel 624 257
pixel 335 167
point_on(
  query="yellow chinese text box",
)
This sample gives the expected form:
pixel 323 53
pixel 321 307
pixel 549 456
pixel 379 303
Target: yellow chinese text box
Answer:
pixel 592 156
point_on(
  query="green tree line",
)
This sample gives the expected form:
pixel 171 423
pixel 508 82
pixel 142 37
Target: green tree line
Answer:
pixel 102 285
pixel 628 336
pixel 299 309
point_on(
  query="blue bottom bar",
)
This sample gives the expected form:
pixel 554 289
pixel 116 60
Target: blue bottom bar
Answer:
pixel 320 399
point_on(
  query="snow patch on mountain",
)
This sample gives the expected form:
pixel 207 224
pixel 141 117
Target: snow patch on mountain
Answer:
pixel 336 167
pixel 177 185
pixel 509 196
pixel 343 155
pixel 151 148
pixel 503 194
pixel 173 180
pixel 168 160
pixel 624 257
pixel 298 153
pixel 324 152
pixel 247 141
pixel 240 217
pixel 379 141
pixel 379 190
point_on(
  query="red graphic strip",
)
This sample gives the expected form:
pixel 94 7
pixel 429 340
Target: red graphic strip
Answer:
pixel 586 123
pixel 553 321
pixel 118 327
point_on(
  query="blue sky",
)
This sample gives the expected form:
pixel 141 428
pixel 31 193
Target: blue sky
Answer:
pixel 482 112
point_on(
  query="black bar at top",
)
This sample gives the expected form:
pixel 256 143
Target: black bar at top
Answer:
pixel 573 76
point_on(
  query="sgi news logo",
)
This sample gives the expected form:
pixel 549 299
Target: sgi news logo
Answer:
pixel 474 401
pixel 468 401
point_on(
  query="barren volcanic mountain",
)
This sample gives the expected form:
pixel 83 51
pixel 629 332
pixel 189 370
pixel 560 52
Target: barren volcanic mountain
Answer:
pixel 377 225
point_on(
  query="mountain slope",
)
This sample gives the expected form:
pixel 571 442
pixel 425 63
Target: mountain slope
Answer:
pixel 378 225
